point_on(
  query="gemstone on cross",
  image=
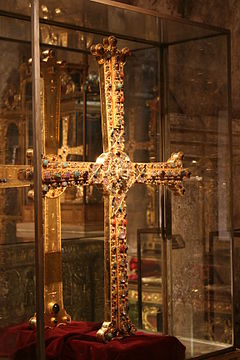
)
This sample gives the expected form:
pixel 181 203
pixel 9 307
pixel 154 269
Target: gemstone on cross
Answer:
pixel 116 173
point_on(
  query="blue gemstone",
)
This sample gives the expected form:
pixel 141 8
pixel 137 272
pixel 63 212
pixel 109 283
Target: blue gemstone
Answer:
pixel 119 86
pixel 45 162
pixel 65 164
pixel 76 174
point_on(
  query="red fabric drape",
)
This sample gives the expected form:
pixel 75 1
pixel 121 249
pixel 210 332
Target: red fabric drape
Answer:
pixel 77 341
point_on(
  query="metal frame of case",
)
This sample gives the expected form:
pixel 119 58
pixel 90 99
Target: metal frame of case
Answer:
pixel 164 203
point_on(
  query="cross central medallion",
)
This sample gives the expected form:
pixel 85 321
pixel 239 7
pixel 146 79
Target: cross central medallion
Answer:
pixel 117 172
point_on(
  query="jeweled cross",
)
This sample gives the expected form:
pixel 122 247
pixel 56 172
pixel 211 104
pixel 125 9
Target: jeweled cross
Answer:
pixel 116 173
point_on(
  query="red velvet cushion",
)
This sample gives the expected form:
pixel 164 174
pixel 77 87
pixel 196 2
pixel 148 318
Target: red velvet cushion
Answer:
pixel 77 341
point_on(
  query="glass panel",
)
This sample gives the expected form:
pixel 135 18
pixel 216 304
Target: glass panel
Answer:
pixel 17 269
pixel 198 125
pixel 150 279
pixel 71 39
pixel 178 31
pixel 111 19
pixel 108 19
pixel 16 6
pixel 14 29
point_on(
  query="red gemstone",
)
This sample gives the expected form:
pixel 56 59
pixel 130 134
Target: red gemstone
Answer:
pixel 122 99
pixel 113 222
pixel 121 74
pixel 122 248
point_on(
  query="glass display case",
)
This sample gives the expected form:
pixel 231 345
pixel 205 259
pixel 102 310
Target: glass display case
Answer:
pixel 177 98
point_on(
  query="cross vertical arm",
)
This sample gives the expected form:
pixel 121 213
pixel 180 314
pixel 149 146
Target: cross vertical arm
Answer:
pixel 111 61
pixel 119 175
pixel 119 324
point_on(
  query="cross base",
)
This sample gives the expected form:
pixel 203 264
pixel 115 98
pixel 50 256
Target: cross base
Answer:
pixel 54 316
pixel 109 331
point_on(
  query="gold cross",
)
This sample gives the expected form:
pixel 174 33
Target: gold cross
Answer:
pixel 21 176
pixel 116 173
pixel 54 312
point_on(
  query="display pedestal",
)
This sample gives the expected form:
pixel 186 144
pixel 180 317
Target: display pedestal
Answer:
pixel 77 341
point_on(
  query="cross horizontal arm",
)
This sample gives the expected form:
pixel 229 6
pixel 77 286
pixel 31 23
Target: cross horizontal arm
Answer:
pixel 57 175
pixel 12 176
pixel 170 173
